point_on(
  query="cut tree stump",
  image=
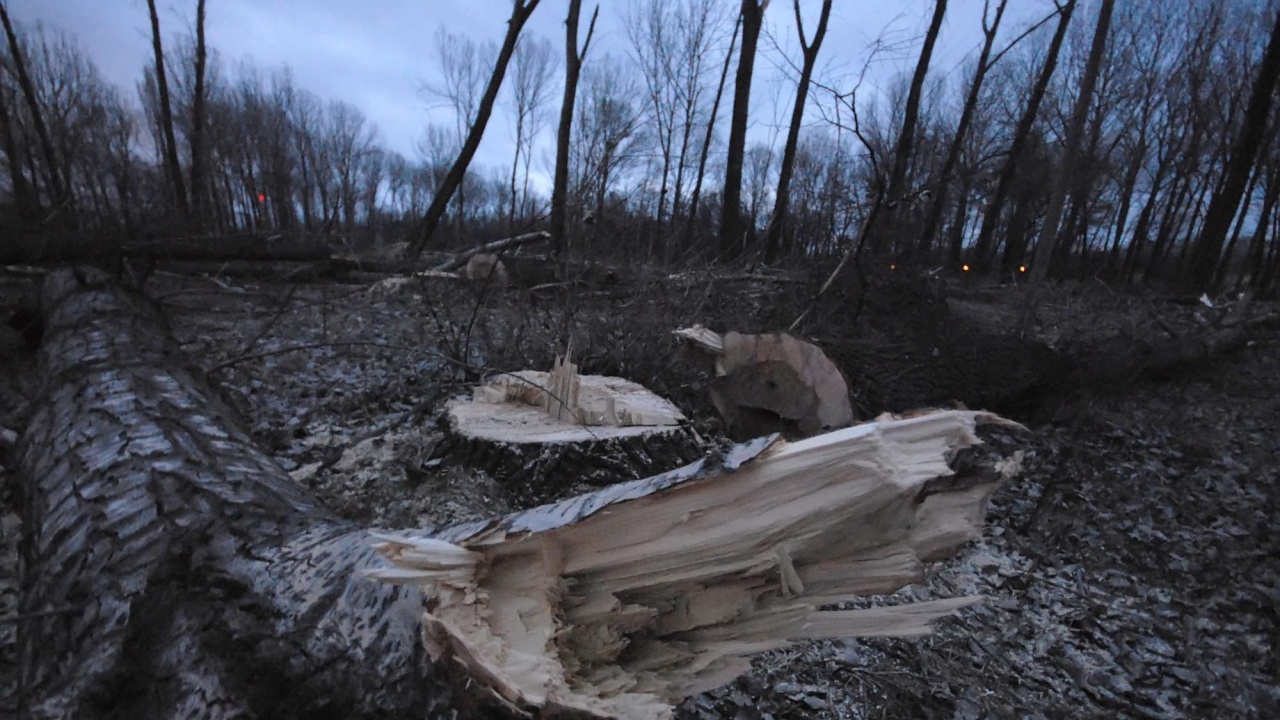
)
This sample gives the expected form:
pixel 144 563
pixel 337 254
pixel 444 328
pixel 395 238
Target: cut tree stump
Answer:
pixel 770 383
pixel 171 569
pixel 620 603
pixel 541 434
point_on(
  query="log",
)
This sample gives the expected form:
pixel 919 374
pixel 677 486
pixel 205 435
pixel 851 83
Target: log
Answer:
pixel 545 434
pixel 770 383
pixel 620 603
pixel 247 246
pixel 495 246
pixel 173 569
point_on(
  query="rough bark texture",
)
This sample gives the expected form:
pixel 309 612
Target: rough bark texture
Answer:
pixel 166 553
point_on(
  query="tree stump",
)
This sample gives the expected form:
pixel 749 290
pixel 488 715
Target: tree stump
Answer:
pixel 543 434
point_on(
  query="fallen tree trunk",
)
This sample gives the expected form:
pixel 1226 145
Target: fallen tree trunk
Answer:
pixel 620 603
pixel 173 570
pixel 247 246
pixel 494 246
pixel 163 551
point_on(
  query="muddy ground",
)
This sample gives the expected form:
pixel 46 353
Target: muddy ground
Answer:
pixel 1133 570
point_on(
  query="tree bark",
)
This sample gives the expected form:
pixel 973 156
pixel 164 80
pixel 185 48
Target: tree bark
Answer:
pixel 1222 208
pixel 164 551
pixel 173 167
pixel 773 235
pixel 1064 181
pixel 733 228
pixel 564 136
pixel 520 13
pixel 984 249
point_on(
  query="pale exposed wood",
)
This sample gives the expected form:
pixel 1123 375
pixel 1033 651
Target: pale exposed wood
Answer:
pixel 569 397
pixel 621 602
pixel 487 268
pixel 765 383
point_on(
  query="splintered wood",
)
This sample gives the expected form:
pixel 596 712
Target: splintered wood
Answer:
pixel 621 602
pixel 569 398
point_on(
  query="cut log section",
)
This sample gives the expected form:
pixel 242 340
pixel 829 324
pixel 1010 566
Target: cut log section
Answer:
pixel 620 603
pixel 544 433
pixel 770 383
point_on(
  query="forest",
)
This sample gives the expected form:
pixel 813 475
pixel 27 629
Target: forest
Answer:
pixel 1131 142
pixel 760 375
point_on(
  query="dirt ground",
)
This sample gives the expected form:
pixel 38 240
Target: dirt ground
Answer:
pixel 1133 570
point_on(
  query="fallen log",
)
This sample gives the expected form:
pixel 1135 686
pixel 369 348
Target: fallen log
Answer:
pixel 163 551
pixel 620 603
pixel 277 247
pixel 495 246
pixel 171 569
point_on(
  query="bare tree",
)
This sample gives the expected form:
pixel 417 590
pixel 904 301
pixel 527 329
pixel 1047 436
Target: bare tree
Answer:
pixel 733 229
pixel 197 124
pixel 990 27
pixel 532 73
pixel 56 189
pixel 902 153
pixel 710 131
pixel 170 150
pixel 520 12
pixel 984 248
pixel 809 50
pixel 573 56
pixel 1244 151
pixel 1066 179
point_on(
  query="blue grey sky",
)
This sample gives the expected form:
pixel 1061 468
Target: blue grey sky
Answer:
pixel 377 54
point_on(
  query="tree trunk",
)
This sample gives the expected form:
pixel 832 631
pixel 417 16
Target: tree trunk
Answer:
pixel 27 207
pixel 197 127
pixel 706 141
pixel 1065 181
pixel 911 113
pixel 170 150
pixel 773 236
pixel 1222 208
pixel 56 190
pixel 164 551
pixel 564 136
pixel 985 246
pixel 519 15
pixel 939 206
pixel 733 228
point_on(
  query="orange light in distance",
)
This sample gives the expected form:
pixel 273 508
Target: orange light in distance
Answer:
pixel 893 267
pixel 965 267
pixel 1022 268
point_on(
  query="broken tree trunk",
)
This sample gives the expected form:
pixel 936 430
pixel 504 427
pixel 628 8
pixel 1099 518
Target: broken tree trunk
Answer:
pixel 770 383
pixel 172 569
pixel 219 248
pixel 544 434
pixel 620 603
pixel 495 246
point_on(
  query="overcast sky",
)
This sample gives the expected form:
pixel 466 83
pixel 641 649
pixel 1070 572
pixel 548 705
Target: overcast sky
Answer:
pixel 377 54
